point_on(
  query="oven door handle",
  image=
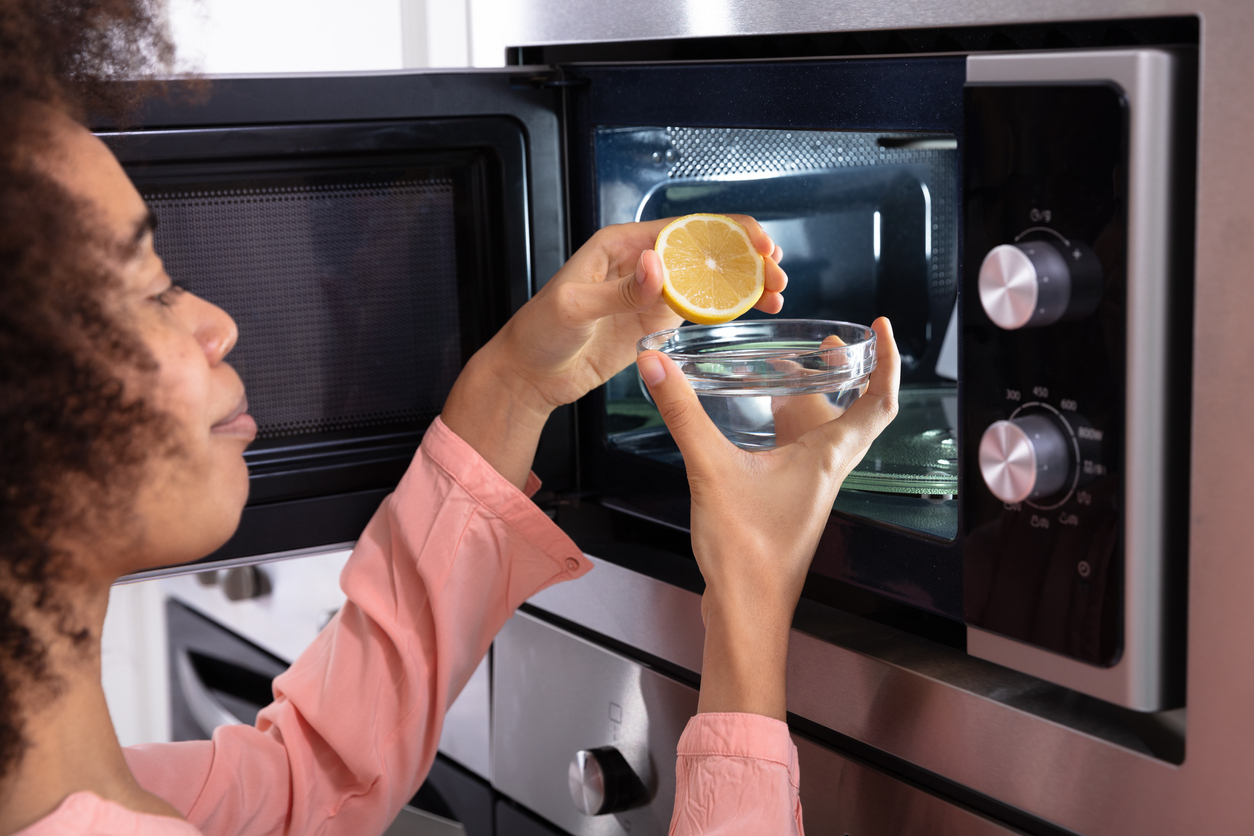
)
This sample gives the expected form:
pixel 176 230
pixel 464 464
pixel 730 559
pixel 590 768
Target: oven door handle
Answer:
pixel 207 710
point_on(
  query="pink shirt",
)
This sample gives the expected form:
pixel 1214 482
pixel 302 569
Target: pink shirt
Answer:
pixel 356 720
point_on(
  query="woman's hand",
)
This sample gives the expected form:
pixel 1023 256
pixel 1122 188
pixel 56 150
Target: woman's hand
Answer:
pixel 575 334
pixel 756 521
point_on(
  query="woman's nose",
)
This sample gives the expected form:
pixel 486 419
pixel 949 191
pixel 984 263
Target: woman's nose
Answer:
pixel 215 331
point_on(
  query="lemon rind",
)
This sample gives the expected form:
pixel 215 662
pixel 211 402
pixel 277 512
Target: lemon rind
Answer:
pixel 678 303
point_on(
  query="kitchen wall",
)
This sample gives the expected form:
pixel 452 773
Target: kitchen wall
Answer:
pixel 296 36
pixel 286 36
pixel 133 663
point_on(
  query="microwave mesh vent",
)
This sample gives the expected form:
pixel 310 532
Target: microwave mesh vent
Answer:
pixel 751 153
pixel 723 152
pixel 345 294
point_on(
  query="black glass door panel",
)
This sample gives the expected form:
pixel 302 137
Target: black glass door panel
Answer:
pixel 852 166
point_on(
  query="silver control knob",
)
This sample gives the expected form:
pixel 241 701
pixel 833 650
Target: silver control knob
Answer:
pixel 602 782
pixel 1029 457
pixel 240 583
pixel 1036 283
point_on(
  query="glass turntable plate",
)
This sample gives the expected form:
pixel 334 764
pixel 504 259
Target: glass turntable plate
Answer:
pixel 918 453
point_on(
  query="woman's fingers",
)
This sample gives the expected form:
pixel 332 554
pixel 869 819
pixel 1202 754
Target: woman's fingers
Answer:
pixel 691 428
pixel 866 418
pixel 771 303
pixel 886 379
pixel 757 235
pixel 637 291
pixel 642 289
pixel 774 277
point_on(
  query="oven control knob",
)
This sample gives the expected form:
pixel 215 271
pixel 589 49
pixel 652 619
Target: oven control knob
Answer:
pixel 1035 283
pixel 241 583
pixel 1028 457
pixel 601 782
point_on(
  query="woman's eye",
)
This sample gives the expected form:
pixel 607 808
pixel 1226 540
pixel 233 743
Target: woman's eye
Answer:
pixel 167 296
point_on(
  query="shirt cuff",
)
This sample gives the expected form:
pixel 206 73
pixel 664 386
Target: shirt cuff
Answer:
pixel 502 498
pixel 737 735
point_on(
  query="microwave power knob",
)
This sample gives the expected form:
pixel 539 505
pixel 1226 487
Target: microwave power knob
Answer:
pixel 1035 283
pixel 602 782
pixel 1028 457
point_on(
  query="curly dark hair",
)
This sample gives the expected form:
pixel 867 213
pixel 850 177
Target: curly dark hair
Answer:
pixel 72 435
pixel 71 52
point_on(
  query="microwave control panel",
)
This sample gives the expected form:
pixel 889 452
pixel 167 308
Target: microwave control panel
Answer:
pixel 1044 312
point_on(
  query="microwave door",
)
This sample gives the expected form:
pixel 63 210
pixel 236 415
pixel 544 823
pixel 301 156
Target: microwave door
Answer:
pixel 852 167
pixel 367 233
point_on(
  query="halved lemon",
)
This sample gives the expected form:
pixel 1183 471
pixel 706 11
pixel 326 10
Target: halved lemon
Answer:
pixel 710 271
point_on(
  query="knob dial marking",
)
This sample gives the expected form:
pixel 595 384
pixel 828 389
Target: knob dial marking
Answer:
pixel 1030 457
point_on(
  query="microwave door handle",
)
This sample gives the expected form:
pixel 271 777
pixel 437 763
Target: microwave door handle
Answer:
pixel 207 710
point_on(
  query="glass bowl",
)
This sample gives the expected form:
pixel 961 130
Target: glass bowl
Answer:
pixel 766 382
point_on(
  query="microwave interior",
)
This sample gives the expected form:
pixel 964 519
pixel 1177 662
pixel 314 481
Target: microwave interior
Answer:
pixel 868 228
pixel 853 168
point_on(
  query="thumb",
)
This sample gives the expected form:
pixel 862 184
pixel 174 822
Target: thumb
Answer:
pixel 691 428
pixel 637 291
pixel 850 435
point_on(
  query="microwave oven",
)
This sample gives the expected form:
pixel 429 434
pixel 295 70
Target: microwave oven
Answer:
pixel 1024 218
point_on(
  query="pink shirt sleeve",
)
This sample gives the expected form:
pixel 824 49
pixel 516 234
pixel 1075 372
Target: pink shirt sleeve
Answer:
pixel 356 720
pixel 736 774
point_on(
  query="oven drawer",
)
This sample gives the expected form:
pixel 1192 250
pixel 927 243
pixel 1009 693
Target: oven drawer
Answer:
pixel 555 694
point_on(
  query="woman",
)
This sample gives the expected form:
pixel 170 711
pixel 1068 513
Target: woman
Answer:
pixel 122 429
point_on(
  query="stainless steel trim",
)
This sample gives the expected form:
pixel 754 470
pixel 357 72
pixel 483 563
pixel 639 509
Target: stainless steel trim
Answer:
pixel 555 694
pixel 209 566
pixel 540 22
pixel 552 691
pixel 411 821
pixel 657 618
pixel 1140 678
pixel 207 710
pixel 839 796
pixel 1028 743
pixel 467 733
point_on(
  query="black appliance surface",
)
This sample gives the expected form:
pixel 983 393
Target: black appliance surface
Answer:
pixel 1048 165
pixel 368 235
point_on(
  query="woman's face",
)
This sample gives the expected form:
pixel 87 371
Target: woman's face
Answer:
pixel 191 498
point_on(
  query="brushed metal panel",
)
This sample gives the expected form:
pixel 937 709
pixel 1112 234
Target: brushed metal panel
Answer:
pixel 467 733
pixel 501 23
pixel 840 796
pixel 554 694
pixel 1147 77
pixel 662 620
pixel 997 731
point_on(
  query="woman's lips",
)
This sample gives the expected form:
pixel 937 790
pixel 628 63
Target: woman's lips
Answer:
pixel 238 423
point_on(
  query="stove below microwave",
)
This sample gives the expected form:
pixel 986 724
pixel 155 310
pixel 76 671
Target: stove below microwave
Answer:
pixel 1022 217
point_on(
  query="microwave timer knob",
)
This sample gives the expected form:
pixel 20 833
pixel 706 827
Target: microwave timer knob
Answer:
pixel 602 782
pixel 1028 457
pixel 1035 283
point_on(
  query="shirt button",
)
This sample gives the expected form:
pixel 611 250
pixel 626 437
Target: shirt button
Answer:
pixel 571 564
